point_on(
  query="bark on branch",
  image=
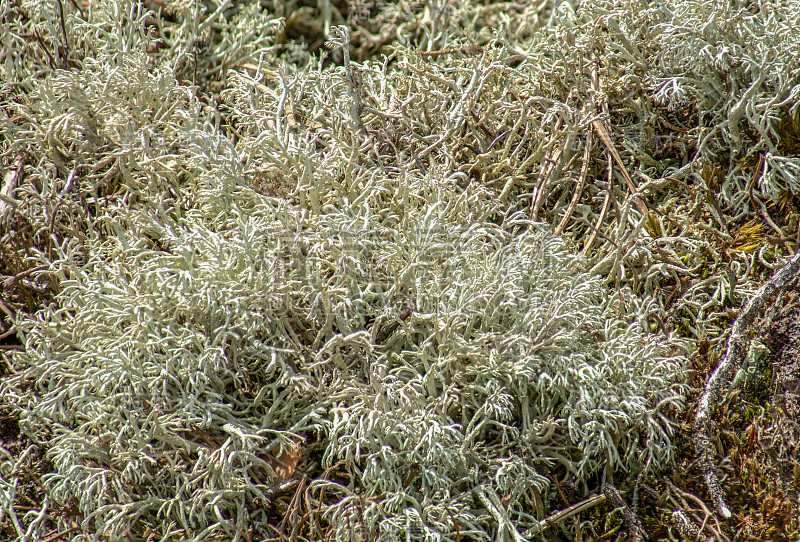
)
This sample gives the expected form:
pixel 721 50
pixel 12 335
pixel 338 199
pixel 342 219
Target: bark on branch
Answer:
pixel 704 427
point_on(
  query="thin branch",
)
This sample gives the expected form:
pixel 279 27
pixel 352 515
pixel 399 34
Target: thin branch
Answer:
pixel 566 513
pixel 634 525
pixel 704 426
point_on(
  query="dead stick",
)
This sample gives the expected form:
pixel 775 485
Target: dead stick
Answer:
pixel 576 197
pixel 58 535
pixel 561 515
pixel 704 426
pixel 12 179
pixel 550 162
pixel 553 171
pixel 604 137
pixel 634 525
pixel 603 211
pixel 386 331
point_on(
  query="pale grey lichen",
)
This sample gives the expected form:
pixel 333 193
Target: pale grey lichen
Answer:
pixel 513 361
pixel 227 262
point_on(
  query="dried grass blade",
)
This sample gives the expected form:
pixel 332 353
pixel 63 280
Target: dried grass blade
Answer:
pixel 603 133
pixel 603 212
pixel 544 177
pixel 576 197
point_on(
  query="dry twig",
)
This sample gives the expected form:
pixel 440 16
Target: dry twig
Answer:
pixel 704 426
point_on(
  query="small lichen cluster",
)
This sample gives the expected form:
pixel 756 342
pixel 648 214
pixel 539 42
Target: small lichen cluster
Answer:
pixel 254 253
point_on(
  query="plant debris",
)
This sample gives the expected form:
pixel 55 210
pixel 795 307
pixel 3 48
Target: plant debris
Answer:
pixel 393 271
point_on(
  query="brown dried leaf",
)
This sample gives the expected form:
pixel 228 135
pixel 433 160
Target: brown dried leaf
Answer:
pixel 284 464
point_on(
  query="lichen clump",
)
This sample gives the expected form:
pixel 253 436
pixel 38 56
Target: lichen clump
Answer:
pixel 274 283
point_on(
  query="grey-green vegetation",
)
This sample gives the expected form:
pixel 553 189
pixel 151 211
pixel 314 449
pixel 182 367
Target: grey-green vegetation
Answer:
pixel 254 252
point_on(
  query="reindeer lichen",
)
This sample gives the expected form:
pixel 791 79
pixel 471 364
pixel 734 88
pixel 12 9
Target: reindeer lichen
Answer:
pixel 289 290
